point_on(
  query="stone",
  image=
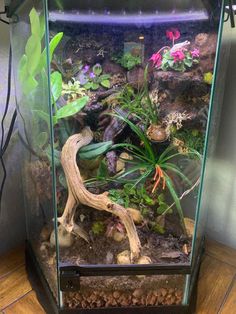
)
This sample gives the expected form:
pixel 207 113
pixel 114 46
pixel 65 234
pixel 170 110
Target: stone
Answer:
pixel 135 77
pixel 157 133
pixel 189 224
pixel 144 260
pixel 124 257
pixel 65 239
pixel 118 236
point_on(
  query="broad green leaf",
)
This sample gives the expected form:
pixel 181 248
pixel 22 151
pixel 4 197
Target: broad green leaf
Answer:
pixel 95 86
pixel 97 69
pixel 33 53
pixel 93 151
pixel 54 43
pixel 34 22
pixel 42 25
pixel 106 83
pixel 56 155
pixel 88 85
pixel 52 46
pixel 23 68
pixel 42 139
pixel 43 115
pixel 29 84
pixel 56 85
pixel 71 108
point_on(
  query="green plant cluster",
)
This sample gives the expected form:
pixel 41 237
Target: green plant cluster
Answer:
pixel 128 61
pixel 131 195
pixel 193 139
pixel 95 79
pixel 98 228
pixel 168 62
pixel 138 103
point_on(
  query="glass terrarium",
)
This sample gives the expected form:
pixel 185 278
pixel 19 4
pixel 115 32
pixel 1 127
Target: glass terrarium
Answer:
pixel 114 109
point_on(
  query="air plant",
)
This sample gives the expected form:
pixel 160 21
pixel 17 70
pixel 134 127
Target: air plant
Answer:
pixel 149 165
pixel 178 57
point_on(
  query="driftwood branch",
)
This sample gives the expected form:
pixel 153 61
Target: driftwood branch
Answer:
pixel 78 194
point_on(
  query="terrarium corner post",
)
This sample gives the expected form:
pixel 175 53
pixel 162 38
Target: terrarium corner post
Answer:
pixel 78 194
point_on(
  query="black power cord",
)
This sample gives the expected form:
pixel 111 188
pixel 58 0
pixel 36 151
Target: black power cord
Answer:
pixel 4 146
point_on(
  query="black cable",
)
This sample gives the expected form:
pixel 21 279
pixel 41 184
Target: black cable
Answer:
pixel 3 146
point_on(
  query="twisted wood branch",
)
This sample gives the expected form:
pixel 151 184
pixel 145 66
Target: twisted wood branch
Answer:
pixel 78 194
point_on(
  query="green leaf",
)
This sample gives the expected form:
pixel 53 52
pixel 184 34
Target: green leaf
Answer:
pixel 188 62
pixel 106 83
pixel 52 46
pixel 56 155
pixel 43 115
pixel 97 69
pixel 42 139
pixel 23 68
pixel 95 86
pixel 34 22
pixel 88 85
pixel 62 180
pixel 175 197
pixel 33 53
pixel 29 84
pixel 104 77
pixel 93 151
pixel 56 85
pixel 42 25
pixel 71 108
pixel 102 170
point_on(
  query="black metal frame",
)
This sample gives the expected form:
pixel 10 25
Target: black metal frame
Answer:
pixel 48 301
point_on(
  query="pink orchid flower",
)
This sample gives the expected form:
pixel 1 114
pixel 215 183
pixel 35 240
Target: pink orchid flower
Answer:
pixel 156 58
pixel 178 55
pixel 195 53
pixel 173 33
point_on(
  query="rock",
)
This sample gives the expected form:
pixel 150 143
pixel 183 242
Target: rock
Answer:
pixel 135 77
pixel 138 293
pixel 45 233
pixel 144 260
pixel 65 239
pixel 120 165
pixel 157 133
pixel 118 236
pixel 190 83
pixel 189 224
pixel 112 68
pixel 171 255
pixel 109 258
pixel 206 43
pixel 124 258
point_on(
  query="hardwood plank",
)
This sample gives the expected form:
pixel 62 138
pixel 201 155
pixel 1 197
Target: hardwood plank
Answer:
pixel 221 252
pixel 214 281
pixel 11 261
pixel 229 305
pixel 13 286
pixel 28 304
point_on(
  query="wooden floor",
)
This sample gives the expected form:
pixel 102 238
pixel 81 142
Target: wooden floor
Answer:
pixel 216 291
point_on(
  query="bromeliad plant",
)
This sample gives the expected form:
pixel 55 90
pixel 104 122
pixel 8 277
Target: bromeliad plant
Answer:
pixel 149 165
pixel 179 57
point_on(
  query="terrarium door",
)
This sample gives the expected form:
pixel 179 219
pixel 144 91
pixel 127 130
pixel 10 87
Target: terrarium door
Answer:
pixel 131 93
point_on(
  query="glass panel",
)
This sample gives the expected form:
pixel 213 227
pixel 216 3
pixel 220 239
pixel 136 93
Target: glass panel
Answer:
pixel 32 95
pixel 125 291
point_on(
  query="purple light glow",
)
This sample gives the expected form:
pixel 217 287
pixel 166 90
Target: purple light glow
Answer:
pixel 55 16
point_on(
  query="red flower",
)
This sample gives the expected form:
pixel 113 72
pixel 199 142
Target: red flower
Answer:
pixel 156 58
pixel 173 33
pixel 178 55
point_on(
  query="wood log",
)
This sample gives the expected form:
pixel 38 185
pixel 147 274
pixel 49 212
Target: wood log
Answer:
pixel 78 194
